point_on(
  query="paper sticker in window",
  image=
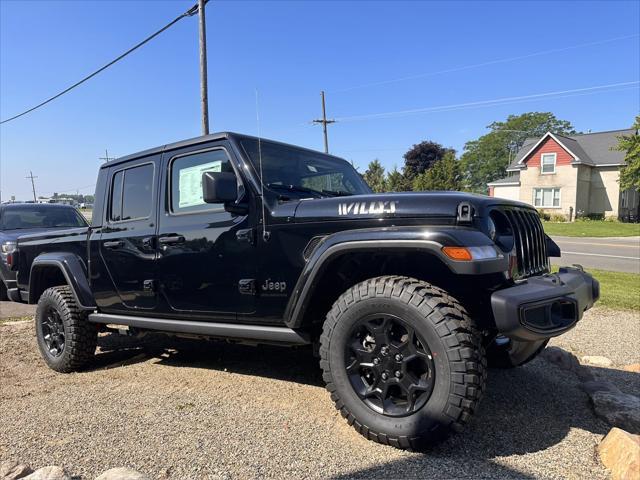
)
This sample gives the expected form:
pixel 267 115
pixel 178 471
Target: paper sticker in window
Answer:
pixel 190 183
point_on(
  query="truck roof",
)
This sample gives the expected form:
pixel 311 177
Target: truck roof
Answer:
pixel 197 140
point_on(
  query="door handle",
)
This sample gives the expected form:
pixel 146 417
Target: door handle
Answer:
pixel 114 244
pixel 170 240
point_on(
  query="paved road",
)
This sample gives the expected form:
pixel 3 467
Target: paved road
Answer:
pixel 619 254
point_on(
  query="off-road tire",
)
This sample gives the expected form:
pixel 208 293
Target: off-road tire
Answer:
pixel 80 335
pixel 3 292
pixel 455 343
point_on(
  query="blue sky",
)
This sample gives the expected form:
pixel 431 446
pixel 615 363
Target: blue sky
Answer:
pixel 289 51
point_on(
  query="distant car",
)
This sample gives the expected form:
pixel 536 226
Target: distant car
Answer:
pixel 18 219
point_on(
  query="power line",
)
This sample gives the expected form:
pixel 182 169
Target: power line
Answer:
pixel 485 64
pixel 494 102
pixel 192 11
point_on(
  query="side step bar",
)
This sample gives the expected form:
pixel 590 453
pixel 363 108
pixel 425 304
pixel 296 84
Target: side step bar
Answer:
pixel 225 330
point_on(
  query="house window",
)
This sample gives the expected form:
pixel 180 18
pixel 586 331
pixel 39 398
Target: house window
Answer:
pixel 546 197
pixel 548 163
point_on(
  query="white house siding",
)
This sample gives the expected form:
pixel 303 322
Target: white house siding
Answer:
pixel 584 190
pixel 565 178
pixel 605 191
pixel 508 192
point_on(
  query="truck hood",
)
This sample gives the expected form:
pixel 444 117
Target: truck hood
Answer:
pixel 394 205
pixel 12 235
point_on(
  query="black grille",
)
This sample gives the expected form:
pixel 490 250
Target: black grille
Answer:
pixel 529 242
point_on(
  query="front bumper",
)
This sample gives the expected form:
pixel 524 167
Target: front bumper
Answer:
pixel 544 306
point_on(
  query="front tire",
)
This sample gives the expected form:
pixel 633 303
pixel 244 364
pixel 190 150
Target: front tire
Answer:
pixel 67 341
pixel 403 361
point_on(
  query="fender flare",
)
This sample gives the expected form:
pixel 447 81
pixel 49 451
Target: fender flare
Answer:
pixel 74 271
pixel 428 239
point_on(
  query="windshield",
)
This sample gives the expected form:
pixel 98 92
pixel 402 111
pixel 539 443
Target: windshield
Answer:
pixel 302 172
pixel 40 217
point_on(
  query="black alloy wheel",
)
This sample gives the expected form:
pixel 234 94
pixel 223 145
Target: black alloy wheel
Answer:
pixel 53 332
pixel 389 366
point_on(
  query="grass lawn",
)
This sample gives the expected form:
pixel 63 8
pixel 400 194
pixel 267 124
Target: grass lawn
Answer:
pixel 592 229
pixel 619 290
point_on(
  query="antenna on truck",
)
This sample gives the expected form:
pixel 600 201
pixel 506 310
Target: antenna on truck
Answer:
pixel 265 234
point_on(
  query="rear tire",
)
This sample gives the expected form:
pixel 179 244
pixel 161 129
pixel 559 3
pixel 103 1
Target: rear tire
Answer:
pixel 434 361
pixel 3 292
pixel 67 341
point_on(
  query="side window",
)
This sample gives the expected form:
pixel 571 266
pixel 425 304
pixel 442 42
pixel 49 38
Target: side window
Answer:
pixel 132 193
pixel 186 179
pixel 115 209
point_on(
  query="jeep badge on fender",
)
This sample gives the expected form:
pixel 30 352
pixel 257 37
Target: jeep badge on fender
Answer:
pixel 406 296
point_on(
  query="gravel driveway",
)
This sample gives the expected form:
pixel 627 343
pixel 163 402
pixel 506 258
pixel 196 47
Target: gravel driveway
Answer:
pixel 194 409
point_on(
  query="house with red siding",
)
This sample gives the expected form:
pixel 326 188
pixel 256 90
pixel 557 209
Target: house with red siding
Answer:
pixel 574 175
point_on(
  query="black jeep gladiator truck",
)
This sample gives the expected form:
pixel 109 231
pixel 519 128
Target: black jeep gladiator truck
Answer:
pixel 405 296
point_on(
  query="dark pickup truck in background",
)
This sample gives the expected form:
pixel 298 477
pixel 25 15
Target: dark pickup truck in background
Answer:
pixel 18 219
pixel 405 296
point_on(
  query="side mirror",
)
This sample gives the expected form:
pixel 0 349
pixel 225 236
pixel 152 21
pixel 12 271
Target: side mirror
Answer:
pixel 219 187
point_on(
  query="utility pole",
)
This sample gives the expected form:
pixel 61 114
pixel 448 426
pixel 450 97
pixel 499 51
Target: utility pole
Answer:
pixel 204 94
pixel 324 123
pixel 33 185
pixel 106 157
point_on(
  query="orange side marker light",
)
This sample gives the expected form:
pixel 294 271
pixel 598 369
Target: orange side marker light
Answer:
pixel 457 253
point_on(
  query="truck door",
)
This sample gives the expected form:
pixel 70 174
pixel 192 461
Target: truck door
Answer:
pixel 127 239
pixel 206 261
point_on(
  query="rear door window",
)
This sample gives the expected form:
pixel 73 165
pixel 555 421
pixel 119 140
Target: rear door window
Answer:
pixel 132 193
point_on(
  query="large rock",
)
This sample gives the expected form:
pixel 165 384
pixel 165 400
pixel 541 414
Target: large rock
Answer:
pixel 122 473
pixel 618 409
pixel 597 361
pixel 634 367
pixel 593 386
pixel 620 453
pixel 51 472
pixel 563 359
pixel 13 470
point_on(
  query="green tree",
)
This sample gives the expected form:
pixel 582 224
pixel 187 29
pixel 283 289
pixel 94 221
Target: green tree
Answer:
pixel 443 175
pixel 423 156
pixel 630 144
pixel 486 159
pixel 397 182
pixel 374 176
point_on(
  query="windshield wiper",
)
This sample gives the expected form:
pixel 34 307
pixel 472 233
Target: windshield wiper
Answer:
pixel 295 188
pixel 337 193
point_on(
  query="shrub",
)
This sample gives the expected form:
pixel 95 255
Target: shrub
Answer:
pixel 544 215
pixel 558 217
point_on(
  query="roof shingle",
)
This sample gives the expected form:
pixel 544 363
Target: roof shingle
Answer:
pixel 594 149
